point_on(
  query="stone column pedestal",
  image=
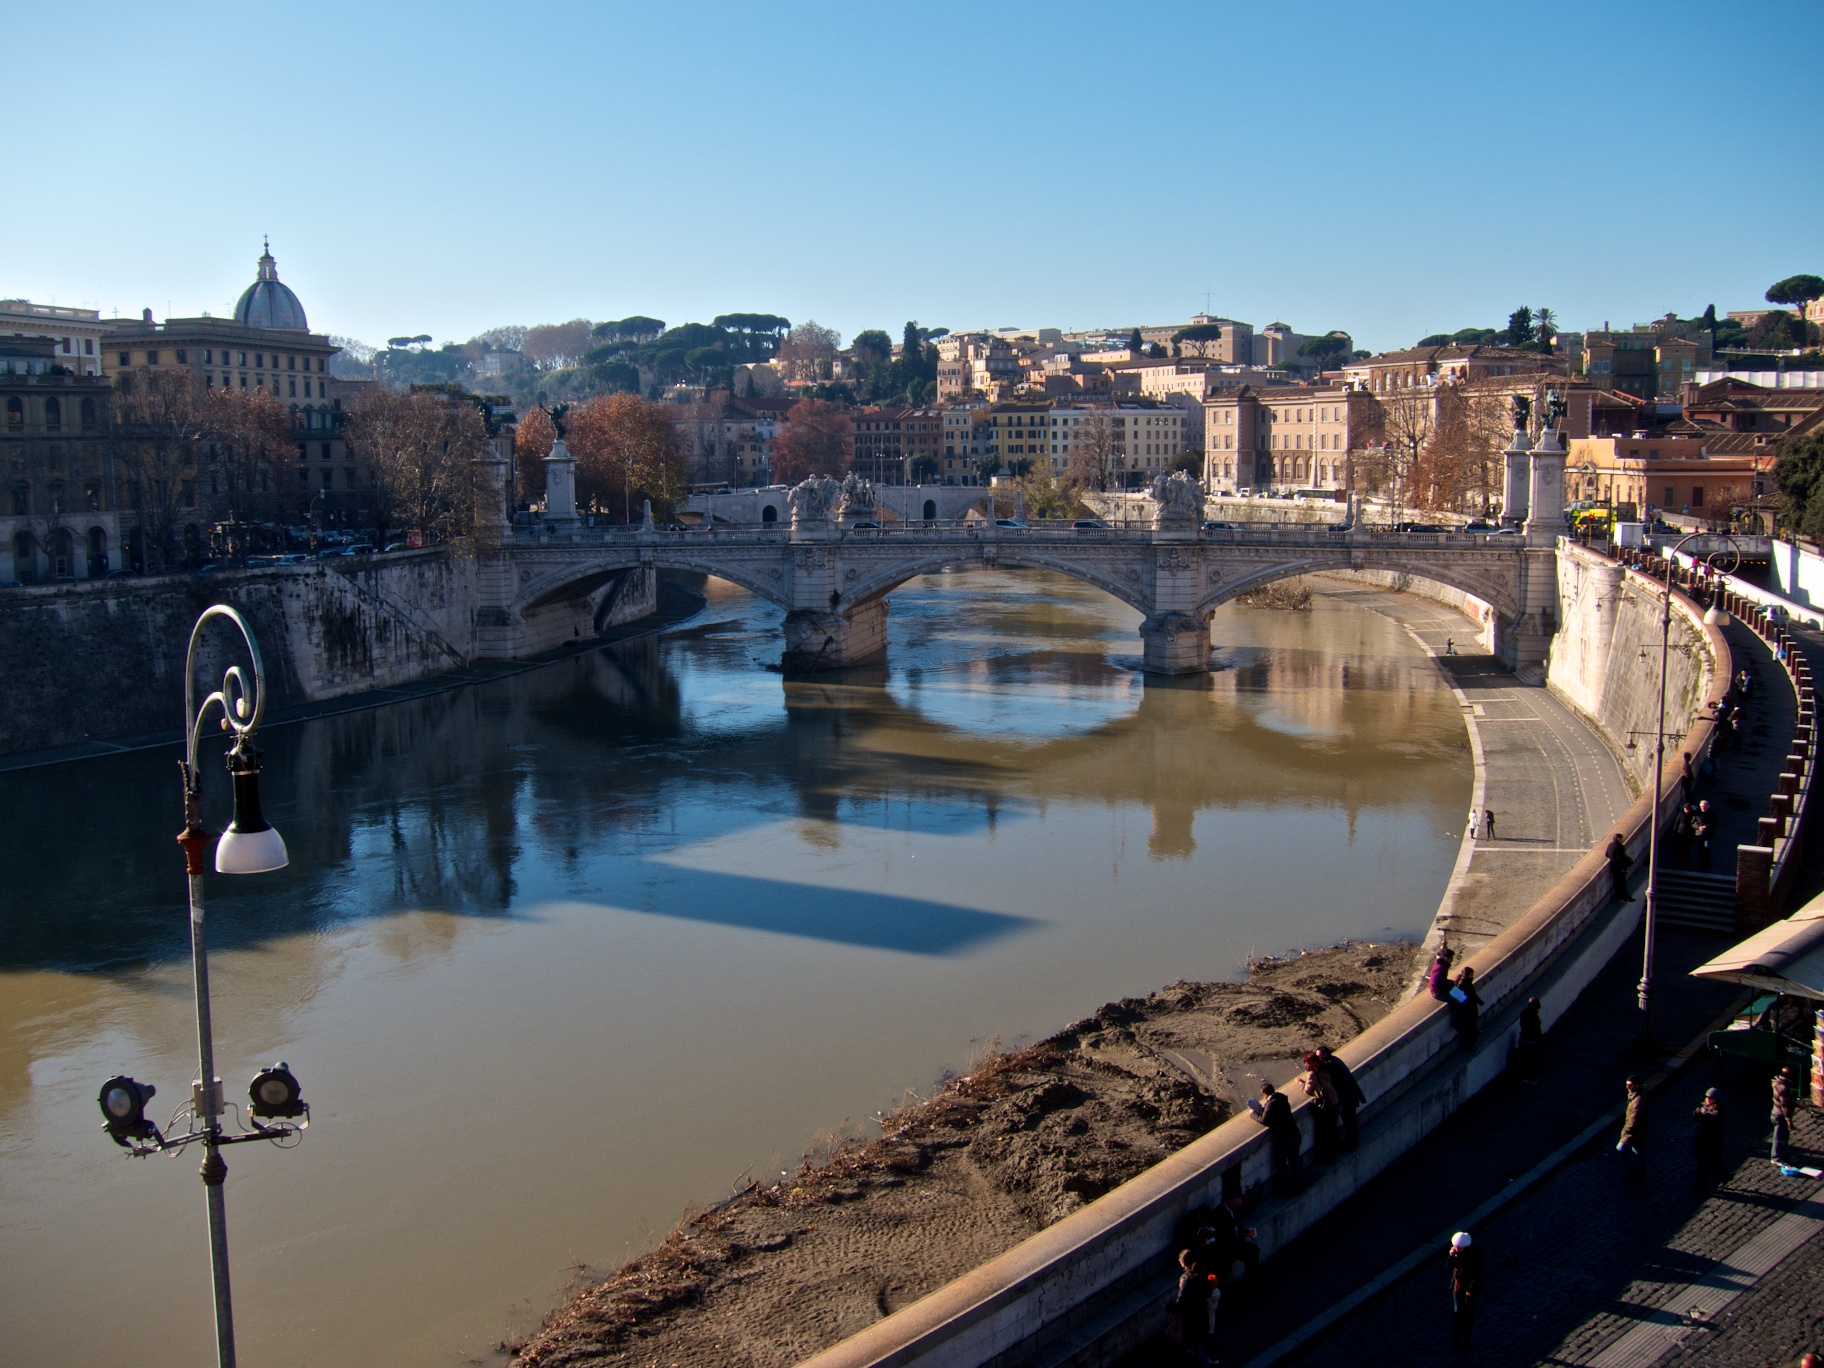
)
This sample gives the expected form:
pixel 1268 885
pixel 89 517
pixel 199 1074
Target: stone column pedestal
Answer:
pixel 835 640
pixel 1174 643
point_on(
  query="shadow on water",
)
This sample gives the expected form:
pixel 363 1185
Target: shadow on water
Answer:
pixel 881 921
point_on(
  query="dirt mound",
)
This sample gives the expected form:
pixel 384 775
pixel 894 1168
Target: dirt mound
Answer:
pixel 779 1272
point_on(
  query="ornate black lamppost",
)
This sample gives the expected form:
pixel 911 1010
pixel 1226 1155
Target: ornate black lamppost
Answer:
pixel 276 1110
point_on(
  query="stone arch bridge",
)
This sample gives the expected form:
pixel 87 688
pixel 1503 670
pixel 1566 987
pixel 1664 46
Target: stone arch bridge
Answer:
pixel 542 589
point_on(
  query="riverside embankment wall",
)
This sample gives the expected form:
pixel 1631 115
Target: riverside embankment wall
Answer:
pixel 1091 1287
pixel 105 659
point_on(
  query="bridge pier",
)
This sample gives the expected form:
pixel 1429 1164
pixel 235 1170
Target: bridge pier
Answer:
pixel 835 640
pixel 1174 644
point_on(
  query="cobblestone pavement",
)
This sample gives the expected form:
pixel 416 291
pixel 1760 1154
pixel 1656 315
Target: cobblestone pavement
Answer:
pixel 1581 1259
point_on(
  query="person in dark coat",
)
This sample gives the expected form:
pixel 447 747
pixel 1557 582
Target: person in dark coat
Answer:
pixel 1785 1097
pixel 1620 862
pixel 1236 1243
pixel 1465 1260
pixel 1466 1008
pixel 1349 1094
pixel 1274 1111
pixel 1703 822
pixel 1530 1045
pixel 1682 826
pixel 1707 1142
pixel 1326 1108
pixel 1195 1308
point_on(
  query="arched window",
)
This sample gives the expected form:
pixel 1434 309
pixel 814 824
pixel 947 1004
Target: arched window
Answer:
pixel 98 552
pixel 56 492
pixel 53 413
pixel 769 514
pixel 22 500
pixel 86 415
pixel 930 510
pixel 63 554
pixel 15 414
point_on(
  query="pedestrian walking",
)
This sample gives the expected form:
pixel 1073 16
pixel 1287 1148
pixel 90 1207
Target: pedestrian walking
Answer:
pixel 1349 1093
pixel 1325 1108
pixel 1194 1310
pixel 1474 817
pixel 1688 780
pixel 1450 646
pixel 1702 823
pixel 1437 981
pixel 1488 824
pixel 1465 1259
pixel 1707 1141
pixel 1466 1008
pixel 1274 1111
pixel 1620 862
pixel 1785 1095
pixel 1529 1046
pixel 1632 1147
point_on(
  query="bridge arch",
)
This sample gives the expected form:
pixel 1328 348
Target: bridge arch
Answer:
pixel 1007 557
pixel 577 579
pixel 1499 591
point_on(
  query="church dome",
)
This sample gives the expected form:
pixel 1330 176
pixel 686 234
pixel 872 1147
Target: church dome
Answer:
pixel 269 304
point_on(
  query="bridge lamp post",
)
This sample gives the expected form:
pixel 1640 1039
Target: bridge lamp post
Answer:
pixel 276 1109
pixel 1713 617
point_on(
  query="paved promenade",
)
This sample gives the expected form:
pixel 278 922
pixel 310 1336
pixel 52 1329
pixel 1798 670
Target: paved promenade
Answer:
pixel 1578 1262
pixel 1553 783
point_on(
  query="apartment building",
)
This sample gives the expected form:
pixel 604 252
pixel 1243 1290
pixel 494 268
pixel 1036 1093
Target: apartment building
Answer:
pixel 75 334
pixel 61 517
pixel 1419 366
pixel 729 440
pixel 1284 437
pixel 892 444
pixel 1676 474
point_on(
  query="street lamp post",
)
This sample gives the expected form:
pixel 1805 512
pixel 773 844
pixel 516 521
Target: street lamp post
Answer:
pixel 249 846
pixel 1713 617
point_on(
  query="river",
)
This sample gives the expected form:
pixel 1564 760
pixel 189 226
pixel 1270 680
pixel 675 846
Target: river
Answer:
pixel 560 955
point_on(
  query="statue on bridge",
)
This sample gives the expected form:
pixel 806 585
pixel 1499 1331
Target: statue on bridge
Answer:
pixel 858 502
pixel 813 500
pixel 556 414
pixel 1179 499
pixel 1523 412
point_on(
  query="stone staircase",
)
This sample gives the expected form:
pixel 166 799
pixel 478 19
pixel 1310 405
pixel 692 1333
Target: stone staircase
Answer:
pixel 1695 901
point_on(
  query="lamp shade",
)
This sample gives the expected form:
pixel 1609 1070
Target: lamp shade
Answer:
pixel 1715 617
pixel 250 845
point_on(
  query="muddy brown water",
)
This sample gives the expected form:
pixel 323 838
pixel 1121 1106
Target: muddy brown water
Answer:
pixel 558 956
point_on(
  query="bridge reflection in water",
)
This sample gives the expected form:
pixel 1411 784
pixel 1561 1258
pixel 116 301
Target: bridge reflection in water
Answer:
pixel 684 910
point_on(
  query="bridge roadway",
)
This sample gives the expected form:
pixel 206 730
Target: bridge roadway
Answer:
pixel 833 578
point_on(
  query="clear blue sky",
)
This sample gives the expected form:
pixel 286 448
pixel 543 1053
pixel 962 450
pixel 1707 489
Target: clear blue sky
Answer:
pixel 1390 169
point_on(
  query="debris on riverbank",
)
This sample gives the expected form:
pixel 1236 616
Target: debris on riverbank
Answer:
pixel 780 1271
pixel 1288 596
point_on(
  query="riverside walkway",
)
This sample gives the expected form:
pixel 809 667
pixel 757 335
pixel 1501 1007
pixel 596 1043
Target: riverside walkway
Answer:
pixel 1554 785
pixel 1577 1261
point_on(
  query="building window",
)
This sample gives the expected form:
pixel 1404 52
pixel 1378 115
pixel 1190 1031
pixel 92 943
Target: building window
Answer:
pixel 183 356
pixel 291 363
pixel 1697 496
pixel 241 362
pixel 294 389
pixel 151 358
pixel 259 360
pixel 53 414
pixel 124 359
pixel 86 415
pixel 326 451
pixel 15 415
pixel 88 346
pixel 243 381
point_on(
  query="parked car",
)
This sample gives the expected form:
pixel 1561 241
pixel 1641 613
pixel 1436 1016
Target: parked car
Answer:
pixel 1217 525
pixel 295 558
pixel 1009 522
pixel 398 546
pixel 1478 525
pixel 865 525
pixel 1419 527
pixel 1089 525
pixel 1339 529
